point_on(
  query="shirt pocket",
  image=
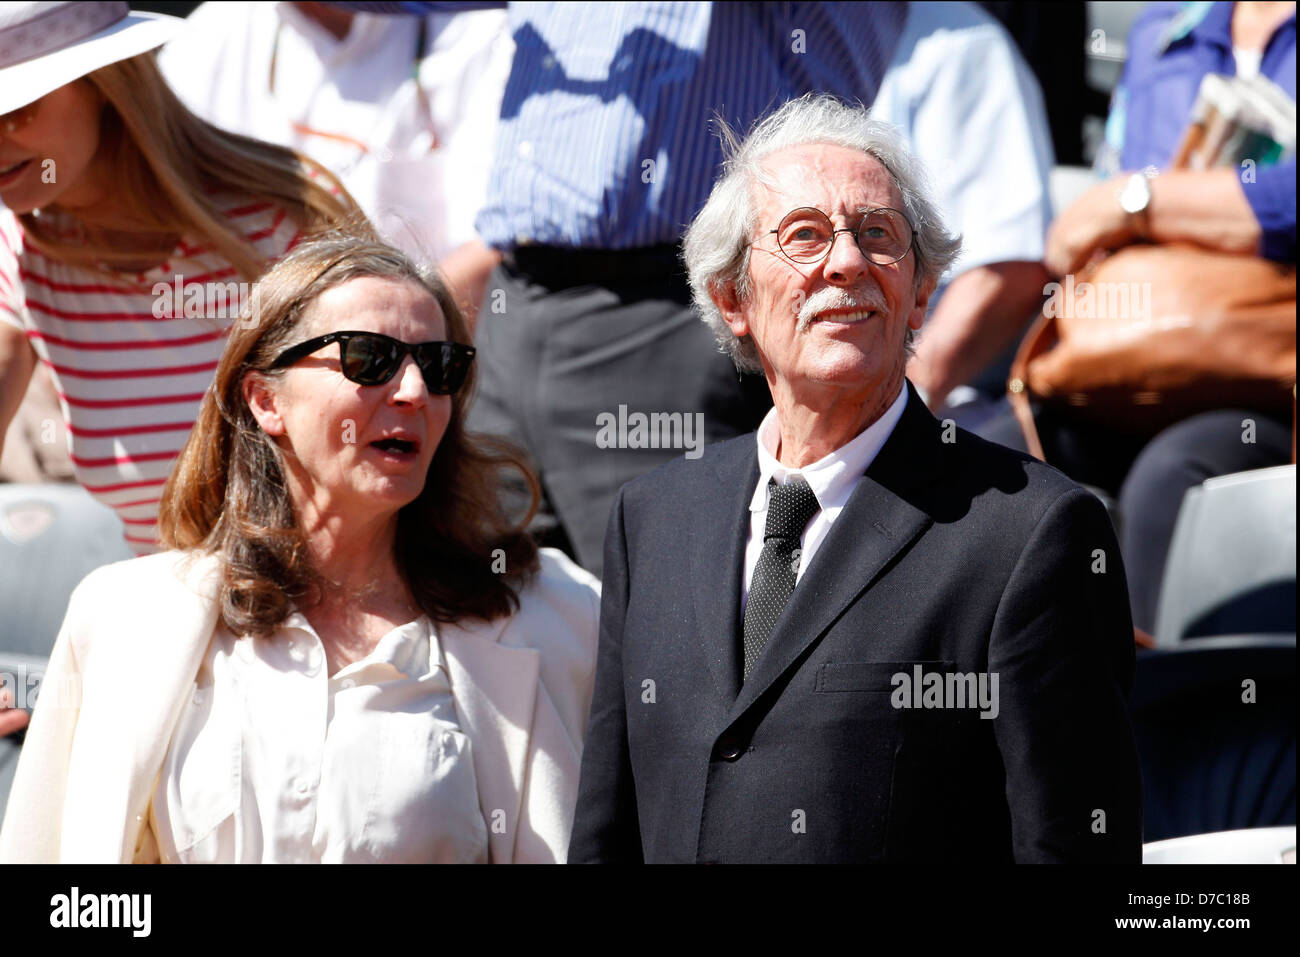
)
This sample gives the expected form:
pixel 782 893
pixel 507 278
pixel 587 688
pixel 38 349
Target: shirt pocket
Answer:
pixel 423 804
pixel 200 786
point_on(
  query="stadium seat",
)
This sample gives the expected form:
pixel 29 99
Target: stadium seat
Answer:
pixel 1256 845
pixel 1232 560
pixel 1214 723
pixel 1108 503
pixel 51 536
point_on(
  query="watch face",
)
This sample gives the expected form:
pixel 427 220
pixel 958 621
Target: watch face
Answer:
pixel 1136 194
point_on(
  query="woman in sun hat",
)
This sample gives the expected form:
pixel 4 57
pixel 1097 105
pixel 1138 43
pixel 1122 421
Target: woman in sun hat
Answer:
pixel 130 236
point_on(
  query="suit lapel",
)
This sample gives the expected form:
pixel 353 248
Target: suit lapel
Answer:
pixel 717 555
pixel 495 688
pixel 878 522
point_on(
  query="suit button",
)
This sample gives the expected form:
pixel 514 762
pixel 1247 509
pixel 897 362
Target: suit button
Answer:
pixel 729 748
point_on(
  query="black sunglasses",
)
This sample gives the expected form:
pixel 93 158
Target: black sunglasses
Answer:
pixel 371 358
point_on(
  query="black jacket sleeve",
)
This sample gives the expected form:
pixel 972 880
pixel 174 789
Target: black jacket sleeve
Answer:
pixel 1062 646
pixel 605 821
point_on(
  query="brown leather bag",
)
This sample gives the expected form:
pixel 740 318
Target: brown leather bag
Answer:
pixel 1155 333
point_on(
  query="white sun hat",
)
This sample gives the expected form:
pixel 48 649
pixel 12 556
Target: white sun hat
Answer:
pixel 45 45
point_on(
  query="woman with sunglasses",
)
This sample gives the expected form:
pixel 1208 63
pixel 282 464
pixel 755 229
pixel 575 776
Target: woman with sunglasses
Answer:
pixel 130 232
pixel 350 654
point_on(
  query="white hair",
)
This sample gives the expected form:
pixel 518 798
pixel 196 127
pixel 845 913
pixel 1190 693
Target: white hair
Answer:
pixel 716 245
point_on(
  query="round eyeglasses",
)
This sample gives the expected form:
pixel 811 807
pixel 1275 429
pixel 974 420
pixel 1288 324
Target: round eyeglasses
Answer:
pixel 806 235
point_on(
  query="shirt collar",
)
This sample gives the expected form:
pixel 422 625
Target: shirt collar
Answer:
pixel 1201 21
pixel 367 31
pixel 1208 24
pixel 412 650
pixel 833 476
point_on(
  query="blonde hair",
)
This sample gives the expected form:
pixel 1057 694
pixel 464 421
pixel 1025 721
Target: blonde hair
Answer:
pixel 168 164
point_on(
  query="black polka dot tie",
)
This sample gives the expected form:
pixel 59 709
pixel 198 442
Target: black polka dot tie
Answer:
pixel 789 508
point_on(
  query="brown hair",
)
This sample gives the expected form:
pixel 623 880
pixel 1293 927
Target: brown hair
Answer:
pixel 227 494
pixel 168 163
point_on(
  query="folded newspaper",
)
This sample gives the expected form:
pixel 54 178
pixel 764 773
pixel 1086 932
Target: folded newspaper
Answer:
pixel 1238 119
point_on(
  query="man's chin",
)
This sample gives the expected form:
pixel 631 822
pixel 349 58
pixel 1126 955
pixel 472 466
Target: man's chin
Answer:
pixel 843 367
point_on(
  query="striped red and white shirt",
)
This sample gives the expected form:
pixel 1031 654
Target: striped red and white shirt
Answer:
pixel 132 355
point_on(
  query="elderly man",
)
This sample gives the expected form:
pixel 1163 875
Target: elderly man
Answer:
pixel 860 634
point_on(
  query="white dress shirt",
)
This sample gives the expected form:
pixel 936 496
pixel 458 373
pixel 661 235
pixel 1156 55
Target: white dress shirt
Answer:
pixel 360 88
pixel 275 760
pixel 1248 61
pixel 832 479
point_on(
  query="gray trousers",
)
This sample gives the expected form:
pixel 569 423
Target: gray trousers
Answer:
pixel 565 362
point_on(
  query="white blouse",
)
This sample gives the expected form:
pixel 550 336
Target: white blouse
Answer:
pixel 274 760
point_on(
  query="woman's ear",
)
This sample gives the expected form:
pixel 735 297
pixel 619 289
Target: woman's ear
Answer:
pixel 263 403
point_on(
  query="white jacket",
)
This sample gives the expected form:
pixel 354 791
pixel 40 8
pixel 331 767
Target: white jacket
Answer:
pixel 125 663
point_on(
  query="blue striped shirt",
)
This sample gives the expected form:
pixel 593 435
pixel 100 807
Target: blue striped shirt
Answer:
pixel 605 138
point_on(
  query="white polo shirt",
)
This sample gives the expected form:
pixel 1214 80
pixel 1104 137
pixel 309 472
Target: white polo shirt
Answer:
pixel 352 104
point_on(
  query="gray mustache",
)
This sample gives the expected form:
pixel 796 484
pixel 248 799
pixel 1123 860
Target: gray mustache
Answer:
pixel 824 299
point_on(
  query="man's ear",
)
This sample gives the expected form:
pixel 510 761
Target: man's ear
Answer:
pixel 916 319
pixel 724 296
pixel 263 403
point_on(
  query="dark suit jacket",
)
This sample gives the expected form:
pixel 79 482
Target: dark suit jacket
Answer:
pixel 961 555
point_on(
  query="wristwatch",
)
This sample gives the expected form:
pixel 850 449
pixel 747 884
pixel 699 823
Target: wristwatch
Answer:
pixel 1134 199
